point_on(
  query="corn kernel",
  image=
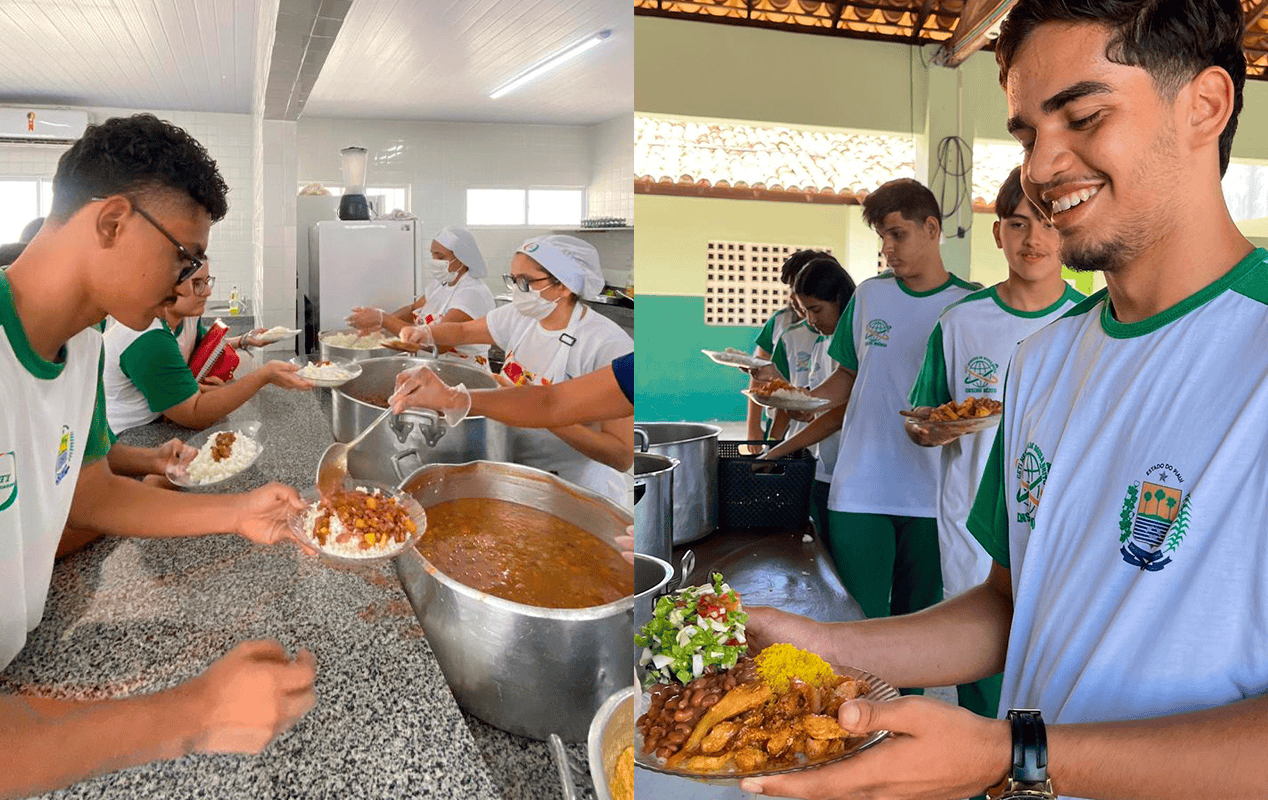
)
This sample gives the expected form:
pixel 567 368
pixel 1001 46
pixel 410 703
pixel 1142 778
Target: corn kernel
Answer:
pixel 369 538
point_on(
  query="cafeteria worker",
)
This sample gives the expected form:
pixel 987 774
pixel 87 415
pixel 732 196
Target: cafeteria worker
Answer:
pixel 551 335
pixel 457 293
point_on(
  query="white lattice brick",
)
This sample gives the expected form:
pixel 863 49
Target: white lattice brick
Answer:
pixel 742 285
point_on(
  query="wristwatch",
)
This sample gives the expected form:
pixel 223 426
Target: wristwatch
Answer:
pixel 1028 779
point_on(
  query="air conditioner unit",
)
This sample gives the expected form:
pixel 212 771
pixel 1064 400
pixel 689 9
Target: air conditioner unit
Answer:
pixel 42 125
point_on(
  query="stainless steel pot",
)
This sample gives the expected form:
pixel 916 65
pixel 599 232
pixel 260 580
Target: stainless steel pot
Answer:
pixel 695 445
pixel 408 441
pixel 351 353
pixel 654 504
pixel 611 731
pixel 527 670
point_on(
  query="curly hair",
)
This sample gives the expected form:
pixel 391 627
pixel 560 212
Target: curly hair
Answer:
pixel 1172 41
pixel 909 197
pixel 141 153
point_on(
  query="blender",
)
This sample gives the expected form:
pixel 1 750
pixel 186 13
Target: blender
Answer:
pixel 353 204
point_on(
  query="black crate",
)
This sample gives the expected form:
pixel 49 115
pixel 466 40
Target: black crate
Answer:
pixel 763 494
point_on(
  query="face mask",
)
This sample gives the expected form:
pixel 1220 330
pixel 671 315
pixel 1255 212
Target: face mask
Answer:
pixel 440 270
pixel 531 303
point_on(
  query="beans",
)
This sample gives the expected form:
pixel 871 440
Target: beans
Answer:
pixel 684 714
pixel 709 700
pixel 675 710
pixel 677 738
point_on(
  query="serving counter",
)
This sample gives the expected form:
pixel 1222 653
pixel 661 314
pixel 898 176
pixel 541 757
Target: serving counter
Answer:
pixel 132 616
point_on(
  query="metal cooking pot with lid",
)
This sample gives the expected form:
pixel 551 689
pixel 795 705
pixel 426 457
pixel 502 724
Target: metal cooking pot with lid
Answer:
pixel 530 671
pixel 329 351
pixel 695 445
pixel 417 437
pixel 654 504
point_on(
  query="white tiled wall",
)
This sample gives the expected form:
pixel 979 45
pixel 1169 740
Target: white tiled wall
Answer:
pixel 611 191
pixel 227 139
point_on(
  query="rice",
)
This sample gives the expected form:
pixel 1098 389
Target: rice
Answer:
pixel 324 371
pixel 354 341
pixel 205 469
pixel 352 547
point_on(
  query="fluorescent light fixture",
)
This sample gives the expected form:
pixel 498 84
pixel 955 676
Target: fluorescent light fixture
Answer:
pixel 565 55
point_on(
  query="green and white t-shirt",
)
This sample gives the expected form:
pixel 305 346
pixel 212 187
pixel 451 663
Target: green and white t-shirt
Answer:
pixel 1125 491
pixel 967 356
pixel 774 328
pixel 147 372
pixel 52 422
pixel 881 336
pixel 802 355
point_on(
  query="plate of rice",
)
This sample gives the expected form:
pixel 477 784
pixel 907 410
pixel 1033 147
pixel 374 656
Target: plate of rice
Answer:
pixel 353 341
pixel 364 522
pixel 736 358
pixel 779 394
pixel 327 373
pixel 221 453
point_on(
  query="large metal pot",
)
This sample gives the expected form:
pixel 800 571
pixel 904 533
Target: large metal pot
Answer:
pixel 527 670
pixel 329 351
pixel 611 731
pixel 695 445
pixel 406 442
pixel 654 504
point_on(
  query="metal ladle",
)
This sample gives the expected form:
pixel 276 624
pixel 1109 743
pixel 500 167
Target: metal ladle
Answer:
pixel 332 469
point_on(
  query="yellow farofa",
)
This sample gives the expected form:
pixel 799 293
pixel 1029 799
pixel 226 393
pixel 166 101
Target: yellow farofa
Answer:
pixel 778 664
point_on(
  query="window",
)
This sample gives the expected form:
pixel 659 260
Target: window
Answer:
pixel 22 200
pixel 555 207
pixel 495 206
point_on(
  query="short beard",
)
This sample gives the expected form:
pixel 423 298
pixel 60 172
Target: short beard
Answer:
pixel 1108 257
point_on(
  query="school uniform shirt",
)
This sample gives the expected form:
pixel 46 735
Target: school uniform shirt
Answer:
pixel 881 336
pixel 802 355
pixel 535 355
pixel 470 296
pixel 1125 493
pixel 147 372
pixel 967 356
pixel 52 422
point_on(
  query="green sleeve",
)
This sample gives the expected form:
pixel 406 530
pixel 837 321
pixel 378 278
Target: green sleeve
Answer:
pixel 766 339
pixel 842 347
pixel 154 364
pixel 988 521
pixel 932 387
pixel 202 331
pixel 100 437
pixel 780 357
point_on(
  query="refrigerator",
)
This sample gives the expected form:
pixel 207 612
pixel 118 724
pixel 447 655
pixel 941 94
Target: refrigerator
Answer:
pixel 372 263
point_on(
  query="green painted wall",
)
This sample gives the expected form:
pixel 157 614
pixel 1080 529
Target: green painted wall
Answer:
pixel 672 380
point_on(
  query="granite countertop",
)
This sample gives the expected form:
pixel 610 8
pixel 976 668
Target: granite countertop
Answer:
pixel 132 616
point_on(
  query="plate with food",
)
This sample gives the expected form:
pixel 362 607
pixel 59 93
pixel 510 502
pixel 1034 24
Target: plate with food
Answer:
pixel 216 455
pixel 783 395
pixel 711 712
pixel 352 340
pixel 276 334
pixel 401 345
pixel 969 416
pixel 327 373
pixel 362 523
pixel 737 358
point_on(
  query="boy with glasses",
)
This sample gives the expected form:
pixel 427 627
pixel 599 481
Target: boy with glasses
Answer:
pixel 98 256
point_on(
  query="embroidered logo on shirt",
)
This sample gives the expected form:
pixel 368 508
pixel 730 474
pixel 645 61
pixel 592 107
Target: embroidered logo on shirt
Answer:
pixel 877 333
pixel 980 376
pixel 1032 474
pixel 65 450
pixel 803 361
pixel 1154 520
pixel 8 479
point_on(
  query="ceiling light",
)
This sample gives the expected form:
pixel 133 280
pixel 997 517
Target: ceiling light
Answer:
pixel 567 54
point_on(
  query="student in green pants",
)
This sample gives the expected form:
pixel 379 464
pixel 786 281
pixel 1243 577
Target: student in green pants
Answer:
pixel 883 498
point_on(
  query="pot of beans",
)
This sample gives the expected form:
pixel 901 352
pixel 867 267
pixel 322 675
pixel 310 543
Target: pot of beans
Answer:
pixel 522 594
pixel 406 442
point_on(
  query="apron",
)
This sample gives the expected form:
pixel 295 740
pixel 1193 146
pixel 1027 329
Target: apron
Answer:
pixel 437 305
pixel 544 450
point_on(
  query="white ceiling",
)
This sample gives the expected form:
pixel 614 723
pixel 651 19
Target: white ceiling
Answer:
pixel 183 55
pixel 439 59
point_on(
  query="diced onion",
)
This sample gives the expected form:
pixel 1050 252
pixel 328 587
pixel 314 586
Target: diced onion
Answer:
pixel 646 657
pixel 660 661
pixel 697 665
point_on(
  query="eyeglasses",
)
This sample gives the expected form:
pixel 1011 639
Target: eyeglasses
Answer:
pixel 524 282
pixel 203 285
pixel 195 263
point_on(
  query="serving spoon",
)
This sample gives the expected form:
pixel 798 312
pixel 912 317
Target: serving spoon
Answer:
pixel 332 469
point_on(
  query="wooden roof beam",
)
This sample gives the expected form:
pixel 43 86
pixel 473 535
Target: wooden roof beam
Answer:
pixel 922 18
pixel 977 18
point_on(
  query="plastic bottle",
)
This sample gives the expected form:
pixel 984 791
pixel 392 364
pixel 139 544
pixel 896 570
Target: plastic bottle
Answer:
pixel 234 305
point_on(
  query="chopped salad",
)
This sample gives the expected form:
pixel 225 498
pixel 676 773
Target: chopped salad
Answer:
pixel 691 630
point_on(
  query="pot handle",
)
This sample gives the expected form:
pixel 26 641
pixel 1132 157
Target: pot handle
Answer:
pixel 567 768
pixel 640 433
pixel 640 489
pixel 397 458
pixel 428 424
pixel 685 567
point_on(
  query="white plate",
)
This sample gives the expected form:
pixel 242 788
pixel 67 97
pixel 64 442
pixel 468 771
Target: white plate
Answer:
pixel 737 360
pixel 878 690
pixel 272 336
pixel 353 368
pixel 415 511
pixel 178 473
pixel 807 403
pixel 957 426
